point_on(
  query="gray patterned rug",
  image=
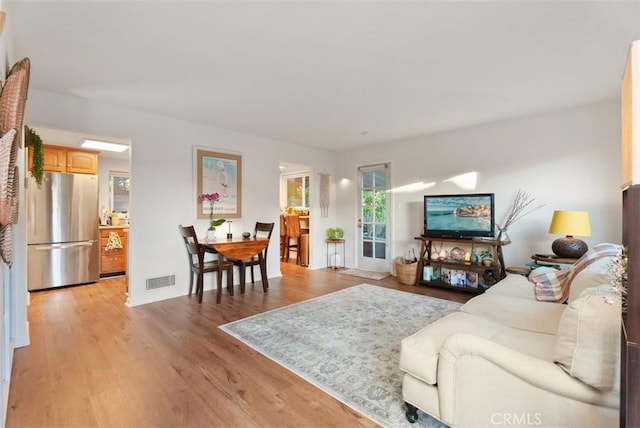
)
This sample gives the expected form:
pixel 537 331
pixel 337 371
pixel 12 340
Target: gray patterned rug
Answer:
pixel 347 343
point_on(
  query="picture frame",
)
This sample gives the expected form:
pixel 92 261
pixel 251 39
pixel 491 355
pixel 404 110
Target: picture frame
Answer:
pixel 472 279
pixel 218 172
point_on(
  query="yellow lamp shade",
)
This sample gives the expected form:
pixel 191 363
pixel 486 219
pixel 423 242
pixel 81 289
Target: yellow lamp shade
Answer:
pixel 570 223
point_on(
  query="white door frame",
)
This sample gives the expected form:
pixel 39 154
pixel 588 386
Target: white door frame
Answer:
pixel 371 262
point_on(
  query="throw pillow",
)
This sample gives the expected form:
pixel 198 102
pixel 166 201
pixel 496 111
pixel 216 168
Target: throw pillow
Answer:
pixel 555 286
pixel 588 339
pixel 549 284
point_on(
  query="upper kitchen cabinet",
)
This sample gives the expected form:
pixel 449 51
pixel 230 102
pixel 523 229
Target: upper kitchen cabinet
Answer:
pixel 65 159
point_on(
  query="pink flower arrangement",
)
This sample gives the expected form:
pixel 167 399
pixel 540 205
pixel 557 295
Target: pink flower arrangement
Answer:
pixel 211 198
pixel 619 270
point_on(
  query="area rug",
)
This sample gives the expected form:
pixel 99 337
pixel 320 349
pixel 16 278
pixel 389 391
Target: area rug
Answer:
pixel 347 344
pixel 368 274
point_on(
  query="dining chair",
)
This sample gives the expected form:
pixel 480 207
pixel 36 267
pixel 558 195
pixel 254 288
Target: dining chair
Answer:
pixel 198 266
pixel 283 236
pixel 292 240
pixel 261 230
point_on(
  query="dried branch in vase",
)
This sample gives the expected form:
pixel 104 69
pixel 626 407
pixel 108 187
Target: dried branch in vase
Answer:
pixel 518 209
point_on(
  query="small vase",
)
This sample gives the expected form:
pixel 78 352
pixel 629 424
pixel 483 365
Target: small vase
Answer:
pixel 474 256
pixel 503 237
pixel 210 235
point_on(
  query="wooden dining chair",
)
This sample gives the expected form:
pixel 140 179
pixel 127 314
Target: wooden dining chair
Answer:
pixel 292 240
pixel 261 230
pixel 198 266
pixel 283 236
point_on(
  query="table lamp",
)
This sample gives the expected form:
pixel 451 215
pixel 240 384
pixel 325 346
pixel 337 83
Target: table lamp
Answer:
pixel 570 223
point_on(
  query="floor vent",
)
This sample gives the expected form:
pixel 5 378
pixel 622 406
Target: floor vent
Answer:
pixel 160 282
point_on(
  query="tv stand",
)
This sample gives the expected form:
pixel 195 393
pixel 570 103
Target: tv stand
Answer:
pixel 450 261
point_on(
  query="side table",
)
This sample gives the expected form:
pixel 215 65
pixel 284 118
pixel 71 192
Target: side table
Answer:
pixel 524 271
pixel 335 242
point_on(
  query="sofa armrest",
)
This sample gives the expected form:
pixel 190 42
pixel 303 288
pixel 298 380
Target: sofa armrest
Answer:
pixel 496 378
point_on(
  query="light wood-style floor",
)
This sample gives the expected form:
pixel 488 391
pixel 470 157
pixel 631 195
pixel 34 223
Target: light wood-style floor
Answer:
pixel 93 362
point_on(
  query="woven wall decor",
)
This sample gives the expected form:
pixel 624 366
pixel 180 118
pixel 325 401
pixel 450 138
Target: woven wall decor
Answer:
pixel 6 143
pixel 12 102
pixel 324 195
pixel 6 244
pixel 14 195
pixel 13 99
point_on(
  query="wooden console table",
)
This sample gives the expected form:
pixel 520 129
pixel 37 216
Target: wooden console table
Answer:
pixel 473 272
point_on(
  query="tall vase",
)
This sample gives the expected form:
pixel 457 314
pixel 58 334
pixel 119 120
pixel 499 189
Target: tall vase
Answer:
pixel 503 237
pixel 474 256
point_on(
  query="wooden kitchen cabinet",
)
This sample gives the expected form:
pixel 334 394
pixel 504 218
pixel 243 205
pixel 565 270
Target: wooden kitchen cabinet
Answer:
pixel 55 159
pixel 113 261
pixel 82 162
pixel 65 159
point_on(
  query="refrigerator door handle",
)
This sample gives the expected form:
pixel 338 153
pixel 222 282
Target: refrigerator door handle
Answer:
pixel 45 247
pixel 32 211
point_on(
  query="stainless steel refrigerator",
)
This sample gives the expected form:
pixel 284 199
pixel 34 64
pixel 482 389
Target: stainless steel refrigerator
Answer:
pixel 62 230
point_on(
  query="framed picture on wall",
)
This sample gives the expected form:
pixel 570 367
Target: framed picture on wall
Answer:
pixel 221 173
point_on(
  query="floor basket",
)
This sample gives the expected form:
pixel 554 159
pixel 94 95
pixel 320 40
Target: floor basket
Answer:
pixel 406 271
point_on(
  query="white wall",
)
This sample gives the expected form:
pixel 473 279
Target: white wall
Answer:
pixel 567 159
pixel 163 193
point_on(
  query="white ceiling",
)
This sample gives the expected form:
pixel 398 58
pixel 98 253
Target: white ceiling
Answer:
pixel 329 74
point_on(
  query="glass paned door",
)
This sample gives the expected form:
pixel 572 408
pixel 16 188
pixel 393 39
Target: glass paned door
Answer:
pixel 374 183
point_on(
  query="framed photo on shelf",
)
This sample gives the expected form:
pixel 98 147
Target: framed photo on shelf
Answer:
pixel 445 275
pixel 458 278
pixel 221 173
pixel 472 279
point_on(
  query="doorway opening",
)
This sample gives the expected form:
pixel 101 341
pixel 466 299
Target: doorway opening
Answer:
pixel 295 202
pixel 111 212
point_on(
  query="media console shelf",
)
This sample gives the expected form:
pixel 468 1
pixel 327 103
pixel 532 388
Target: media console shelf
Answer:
pixel 457 263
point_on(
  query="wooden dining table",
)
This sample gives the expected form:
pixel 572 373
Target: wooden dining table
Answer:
pixel 241 249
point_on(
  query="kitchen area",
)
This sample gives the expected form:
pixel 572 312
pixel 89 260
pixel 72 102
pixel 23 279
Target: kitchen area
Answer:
pixel 78 211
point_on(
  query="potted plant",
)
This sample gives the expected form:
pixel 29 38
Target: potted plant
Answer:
pixel 486 257
pixel 211 198
pixel 334 233
pixel 33 140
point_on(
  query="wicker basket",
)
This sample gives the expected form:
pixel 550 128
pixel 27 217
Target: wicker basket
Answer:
pixel 406 271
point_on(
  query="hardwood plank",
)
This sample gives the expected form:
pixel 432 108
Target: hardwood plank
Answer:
pixel 94 362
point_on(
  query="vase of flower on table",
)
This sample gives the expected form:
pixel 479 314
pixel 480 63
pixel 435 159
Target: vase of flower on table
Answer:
pixel 210 199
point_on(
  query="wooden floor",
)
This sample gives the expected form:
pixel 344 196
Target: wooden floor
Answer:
pixel 93 362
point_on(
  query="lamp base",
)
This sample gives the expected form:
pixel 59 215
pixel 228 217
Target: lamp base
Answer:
pixel 569 247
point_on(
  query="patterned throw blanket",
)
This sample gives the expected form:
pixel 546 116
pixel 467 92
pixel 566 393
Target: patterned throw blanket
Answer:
pixel 554 286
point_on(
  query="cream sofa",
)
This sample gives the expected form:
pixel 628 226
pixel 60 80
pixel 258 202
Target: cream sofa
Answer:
pixel 506 359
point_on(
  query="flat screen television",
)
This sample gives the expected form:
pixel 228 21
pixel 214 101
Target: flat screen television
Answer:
pixel 459 216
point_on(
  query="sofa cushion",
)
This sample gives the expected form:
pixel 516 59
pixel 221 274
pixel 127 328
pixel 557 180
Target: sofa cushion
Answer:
pixel 599 272
pixel 517 312
pixel 514 286
pixel 588 340
pixel 419 352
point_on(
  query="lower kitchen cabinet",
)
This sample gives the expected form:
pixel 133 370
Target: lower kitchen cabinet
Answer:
pixel 113 251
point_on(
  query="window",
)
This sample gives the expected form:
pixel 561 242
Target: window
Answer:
pixel 119 184
pixel 295 191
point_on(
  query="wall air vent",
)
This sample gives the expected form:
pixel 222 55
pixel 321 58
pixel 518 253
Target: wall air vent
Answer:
pixel 160 282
